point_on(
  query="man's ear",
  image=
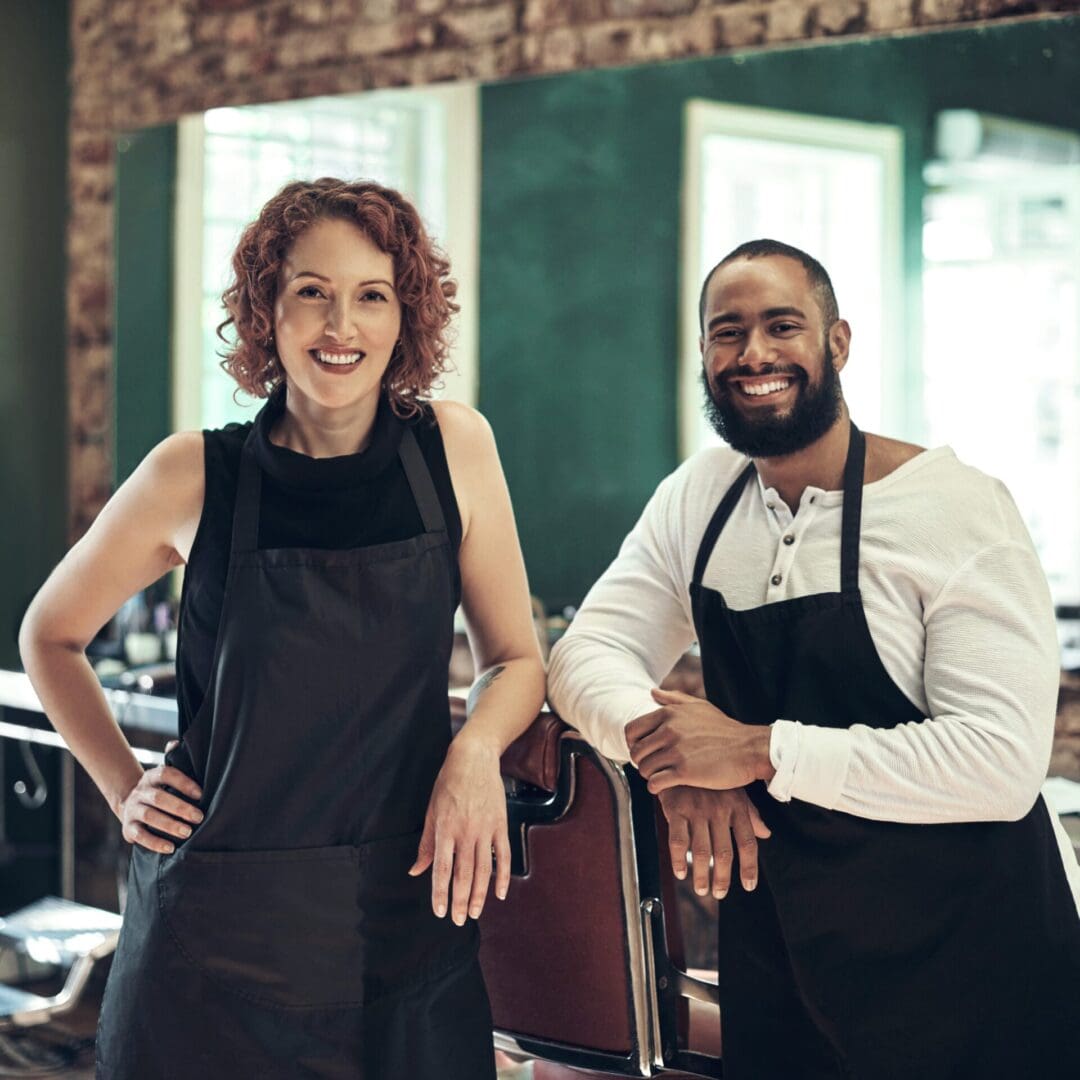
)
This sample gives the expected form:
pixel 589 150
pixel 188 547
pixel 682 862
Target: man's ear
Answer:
pixel 840 342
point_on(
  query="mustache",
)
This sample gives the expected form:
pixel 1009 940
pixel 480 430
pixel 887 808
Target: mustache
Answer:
pixel 745 371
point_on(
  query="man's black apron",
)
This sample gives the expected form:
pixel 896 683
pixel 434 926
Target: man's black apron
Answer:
pixel 285 939
pixel 874 949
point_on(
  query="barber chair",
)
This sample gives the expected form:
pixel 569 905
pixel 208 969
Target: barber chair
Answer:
pixel 60 934
pixel 583 960
pixel 56 938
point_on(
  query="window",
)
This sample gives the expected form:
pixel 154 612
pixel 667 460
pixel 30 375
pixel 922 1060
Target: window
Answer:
pixel 996 374
pixel 830 187
pixel 421 141
pixel 1001 320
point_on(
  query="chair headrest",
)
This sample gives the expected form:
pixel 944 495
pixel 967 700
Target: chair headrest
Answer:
pixel 533 757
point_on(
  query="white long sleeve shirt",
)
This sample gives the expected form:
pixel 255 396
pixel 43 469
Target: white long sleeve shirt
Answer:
pixel 957 606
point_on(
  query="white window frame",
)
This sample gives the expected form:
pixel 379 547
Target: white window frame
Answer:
pixel 703 118
pixel 461 238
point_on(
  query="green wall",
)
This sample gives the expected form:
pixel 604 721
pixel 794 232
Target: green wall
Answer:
pixel 34 59
pixel 143 216
pixel 580 249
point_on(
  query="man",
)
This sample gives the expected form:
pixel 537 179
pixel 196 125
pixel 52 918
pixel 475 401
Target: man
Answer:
pixel 881 665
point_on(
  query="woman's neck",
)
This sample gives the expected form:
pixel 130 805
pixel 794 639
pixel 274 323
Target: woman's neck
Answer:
pixel 307 427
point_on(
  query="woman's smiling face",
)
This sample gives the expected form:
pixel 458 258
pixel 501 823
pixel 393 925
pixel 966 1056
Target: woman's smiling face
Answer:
pixel 337 317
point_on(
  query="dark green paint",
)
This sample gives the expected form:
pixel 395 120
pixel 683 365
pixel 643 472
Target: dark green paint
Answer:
pixel 145 199
pixel 580 249
pixel 34 101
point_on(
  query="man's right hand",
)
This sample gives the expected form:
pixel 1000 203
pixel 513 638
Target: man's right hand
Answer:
pixel 702 821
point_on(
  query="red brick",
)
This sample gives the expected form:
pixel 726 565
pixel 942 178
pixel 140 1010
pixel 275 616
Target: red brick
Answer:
pixel 611 43
pixel 242 29
pixel 376 10
pixel 479 25
pixel 211 29
pixel 308 13
pixel 309 49
pixel 561 49
pixel 92 151
pixel 841 16
pixel 542 14
pixel 377 38
pixel 942 11
pixel 643 8
pixel 248 63
pixel 786 20
pixel 742 24
pixel 888 14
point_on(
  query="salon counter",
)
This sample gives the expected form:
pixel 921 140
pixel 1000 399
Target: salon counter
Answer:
pixel 149 722
pixel 133 711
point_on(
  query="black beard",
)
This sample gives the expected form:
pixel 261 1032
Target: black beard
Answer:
pixel 816 410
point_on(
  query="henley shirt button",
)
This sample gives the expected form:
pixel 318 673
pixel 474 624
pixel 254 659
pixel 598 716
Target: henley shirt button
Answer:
pixel 789 539
pixel 776 578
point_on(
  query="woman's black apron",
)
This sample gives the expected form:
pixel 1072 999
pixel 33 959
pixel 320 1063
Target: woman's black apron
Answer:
pixel 285 938
pixel 873 949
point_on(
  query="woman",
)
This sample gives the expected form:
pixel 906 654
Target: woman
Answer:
pixel 279 920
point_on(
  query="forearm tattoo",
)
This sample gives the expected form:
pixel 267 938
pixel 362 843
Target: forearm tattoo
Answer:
pixel 481 685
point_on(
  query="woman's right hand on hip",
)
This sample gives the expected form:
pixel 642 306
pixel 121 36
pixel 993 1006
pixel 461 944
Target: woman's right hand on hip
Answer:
pixel 149 806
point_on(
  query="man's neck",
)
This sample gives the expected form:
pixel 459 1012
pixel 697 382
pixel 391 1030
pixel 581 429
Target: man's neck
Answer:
pixel 820 465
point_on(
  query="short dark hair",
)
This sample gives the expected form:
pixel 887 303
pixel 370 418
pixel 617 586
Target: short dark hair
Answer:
pixel 754 249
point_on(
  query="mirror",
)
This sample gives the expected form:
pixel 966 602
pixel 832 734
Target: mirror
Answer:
pixel 580 210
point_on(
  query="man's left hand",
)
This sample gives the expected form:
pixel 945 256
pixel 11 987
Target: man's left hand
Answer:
pixel 689 741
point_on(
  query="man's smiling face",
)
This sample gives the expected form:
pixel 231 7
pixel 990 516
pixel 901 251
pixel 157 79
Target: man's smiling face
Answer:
pixel 770 365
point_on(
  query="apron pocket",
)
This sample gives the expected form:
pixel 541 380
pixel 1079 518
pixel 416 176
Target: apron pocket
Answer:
pixel 404 942
pixel 279 928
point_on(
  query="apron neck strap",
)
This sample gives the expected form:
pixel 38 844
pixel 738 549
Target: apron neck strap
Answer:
pixel 852 519
pixel 245 530
pixel 719 520
pixel 423 487
pixel 849 529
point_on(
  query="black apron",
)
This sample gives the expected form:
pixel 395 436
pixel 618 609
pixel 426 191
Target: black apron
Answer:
pixel 874 949
pixel 285 938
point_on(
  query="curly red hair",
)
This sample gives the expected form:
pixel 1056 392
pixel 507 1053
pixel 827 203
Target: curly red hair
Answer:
pixel 422 283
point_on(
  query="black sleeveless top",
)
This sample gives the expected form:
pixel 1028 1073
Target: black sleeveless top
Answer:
pixel 356 500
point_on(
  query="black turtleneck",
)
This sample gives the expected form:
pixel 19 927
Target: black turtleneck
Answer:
pixel 356 500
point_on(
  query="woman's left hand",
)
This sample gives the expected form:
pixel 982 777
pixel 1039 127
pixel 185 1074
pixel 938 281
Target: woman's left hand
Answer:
pixel 465 823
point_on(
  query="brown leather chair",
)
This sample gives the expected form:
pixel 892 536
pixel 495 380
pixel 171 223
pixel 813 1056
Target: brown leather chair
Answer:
pixel 583 960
